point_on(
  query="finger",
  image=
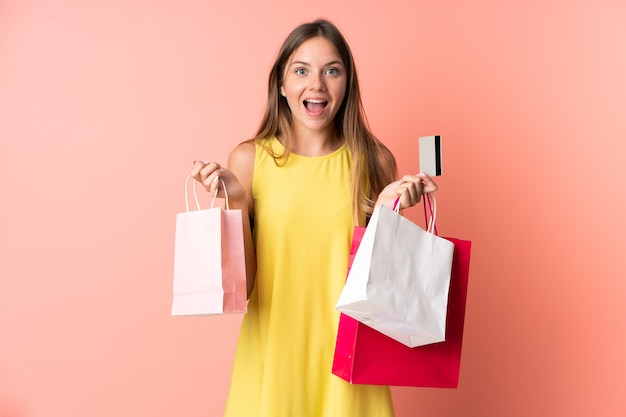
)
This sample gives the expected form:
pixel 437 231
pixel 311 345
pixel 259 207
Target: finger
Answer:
pixel 409 194
pixel 213 184
pixel 413 185
pixel 207 173
pixel 416 192
pixel 429 186
pixel 197 167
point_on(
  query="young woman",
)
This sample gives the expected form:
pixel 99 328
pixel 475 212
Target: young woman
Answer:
pixel 313 172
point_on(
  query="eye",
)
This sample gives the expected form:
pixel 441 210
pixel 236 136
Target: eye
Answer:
pixel 300 71
pixel 332 71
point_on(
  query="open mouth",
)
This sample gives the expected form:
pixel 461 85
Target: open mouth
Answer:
pixel 315 106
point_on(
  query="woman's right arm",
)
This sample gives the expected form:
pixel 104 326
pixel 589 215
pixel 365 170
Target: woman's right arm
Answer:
pixel 241 164
pixel 238 181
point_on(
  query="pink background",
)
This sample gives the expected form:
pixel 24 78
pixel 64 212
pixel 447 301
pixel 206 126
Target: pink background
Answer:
pixel 105 104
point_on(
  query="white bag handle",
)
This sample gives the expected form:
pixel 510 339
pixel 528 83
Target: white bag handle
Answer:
pixel 195 194
pixel 427 198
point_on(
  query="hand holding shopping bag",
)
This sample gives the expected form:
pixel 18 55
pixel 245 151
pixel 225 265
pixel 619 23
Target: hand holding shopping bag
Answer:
pixel 209 260
pixel 399 281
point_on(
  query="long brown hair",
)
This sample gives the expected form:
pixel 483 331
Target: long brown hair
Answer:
pixel 373 165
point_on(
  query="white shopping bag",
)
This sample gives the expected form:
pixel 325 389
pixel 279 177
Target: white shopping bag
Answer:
pixel 399 281
pixel 209 261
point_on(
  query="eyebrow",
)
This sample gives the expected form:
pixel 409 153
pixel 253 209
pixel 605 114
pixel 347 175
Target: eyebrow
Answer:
pixel 336 62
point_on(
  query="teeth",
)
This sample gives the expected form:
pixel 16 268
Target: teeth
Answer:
pixel 316 101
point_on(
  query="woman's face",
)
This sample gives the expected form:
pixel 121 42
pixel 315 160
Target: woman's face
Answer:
pixel 314 85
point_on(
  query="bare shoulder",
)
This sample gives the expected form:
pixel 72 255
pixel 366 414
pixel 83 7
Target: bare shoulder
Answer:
pixel 242 157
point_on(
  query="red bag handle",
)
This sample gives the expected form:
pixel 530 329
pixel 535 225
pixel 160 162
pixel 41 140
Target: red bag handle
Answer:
pixel 429 199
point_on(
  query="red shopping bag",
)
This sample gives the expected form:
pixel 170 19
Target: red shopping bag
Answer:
pixel 366 356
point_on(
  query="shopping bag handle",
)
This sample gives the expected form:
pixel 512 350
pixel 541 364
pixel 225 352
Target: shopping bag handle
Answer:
pixel 429 198
pixel 195 194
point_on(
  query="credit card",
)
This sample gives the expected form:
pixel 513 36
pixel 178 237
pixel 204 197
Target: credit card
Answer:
pixel 430 155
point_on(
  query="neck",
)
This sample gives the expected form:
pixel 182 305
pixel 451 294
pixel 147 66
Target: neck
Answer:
pixel 314 143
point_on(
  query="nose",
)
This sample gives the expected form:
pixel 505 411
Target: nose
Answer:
pixel 317 82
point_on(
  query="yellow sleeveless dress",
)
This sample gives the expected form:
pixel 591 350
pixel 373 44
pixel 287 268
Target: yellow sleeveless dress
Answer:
pixel 302 229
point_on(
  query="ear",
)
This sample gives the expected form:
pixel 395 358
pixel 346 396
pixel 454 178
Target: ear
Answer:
pixel 282 91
